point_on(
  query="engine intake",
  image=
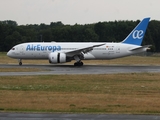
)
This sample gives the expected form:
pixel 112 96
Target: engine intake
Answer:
pixel 57 57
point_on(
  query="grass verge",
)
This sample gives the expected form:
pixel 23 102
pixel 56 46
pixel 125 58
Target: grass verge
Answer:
pixel 115 93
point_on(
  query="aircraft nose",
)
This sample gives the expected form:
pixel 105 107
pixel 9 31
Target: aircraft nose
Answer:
pixel 9 54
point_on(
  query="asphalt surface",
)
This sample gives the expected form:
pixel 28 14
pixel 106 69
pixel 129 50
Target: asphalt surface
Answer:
pixel 87 69
pixel 27 116
pixel 70 69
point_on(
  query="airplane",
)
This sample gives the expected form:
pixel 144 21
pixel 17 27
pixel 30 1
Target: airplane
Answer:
pixel 62 52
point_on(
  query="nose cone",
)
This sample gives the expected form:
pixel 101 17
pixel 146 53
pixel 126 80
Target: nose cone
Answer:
pixel 9 54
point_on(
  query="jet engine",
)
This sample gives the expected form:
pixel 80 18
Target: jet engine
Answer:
pixel 57 57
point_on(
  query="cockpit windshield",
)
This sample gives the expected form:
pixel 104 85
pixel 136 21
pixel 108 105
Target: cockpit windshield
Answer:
pixel 13 48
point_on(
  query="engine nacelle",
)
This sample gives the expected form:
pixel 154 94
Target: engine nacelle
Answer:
pixel 57 57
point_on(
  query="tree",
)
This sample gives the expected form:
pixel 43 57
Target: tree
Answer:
pixel 56 24
pixel 12 40
pixel 100 30
pixel 12 34
pixel 9 22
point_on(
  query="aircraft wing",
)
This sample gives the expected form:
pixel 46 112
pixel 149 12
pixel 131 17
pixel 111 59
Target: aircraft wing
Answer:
pixel 82 50
pixel 141 47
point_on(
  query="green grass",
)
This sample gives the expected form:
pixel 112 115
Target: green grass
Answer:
pixel 133 93
pixel 118 93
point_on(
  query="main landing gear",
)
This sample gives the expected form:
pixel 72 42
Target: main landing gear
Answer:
pixel 20 61
pixel 78 63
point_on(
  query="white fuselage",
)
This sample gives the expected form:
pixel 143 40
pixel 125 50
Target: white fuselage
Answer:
pixel 41 50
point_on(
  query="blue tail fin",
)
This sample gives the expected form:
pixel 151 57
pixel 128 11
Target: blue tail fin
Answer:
pixel 137 34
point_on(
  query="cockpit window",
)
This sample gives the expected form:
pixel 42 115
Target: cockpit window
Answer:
pixel 13 48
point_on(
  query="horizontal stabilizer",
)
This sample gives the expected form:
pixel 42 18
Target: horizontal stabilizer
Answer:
pixel 141 47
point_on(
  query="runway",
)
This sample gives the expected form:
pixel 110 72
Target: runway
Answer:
pixel 27 116
pixel 86 69
pixel 71 70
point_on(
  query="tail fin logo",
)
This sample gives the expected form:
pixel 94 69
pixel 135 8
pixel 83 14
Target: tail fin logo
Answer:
pixel 138 34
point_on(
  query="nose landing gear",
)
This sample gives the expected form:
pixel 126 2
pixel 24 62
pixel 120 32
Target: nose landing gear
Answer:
pixel 20 62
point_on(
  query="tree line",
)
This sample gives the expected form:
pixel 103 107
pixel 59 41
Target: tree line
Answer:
pixel 11 33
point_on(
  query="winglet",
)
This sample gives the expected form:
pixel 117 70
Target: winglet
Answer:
pixel 137 34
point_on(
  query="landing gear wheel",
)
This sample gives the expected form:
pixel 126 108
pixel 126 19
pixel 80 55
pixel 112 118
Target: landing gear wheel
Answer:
pixel 78 64
pixel 81 63
pixel 20 63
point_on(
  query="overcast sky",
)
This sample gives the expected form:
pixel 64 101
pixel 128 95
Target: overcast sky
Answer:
pixel 77 11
